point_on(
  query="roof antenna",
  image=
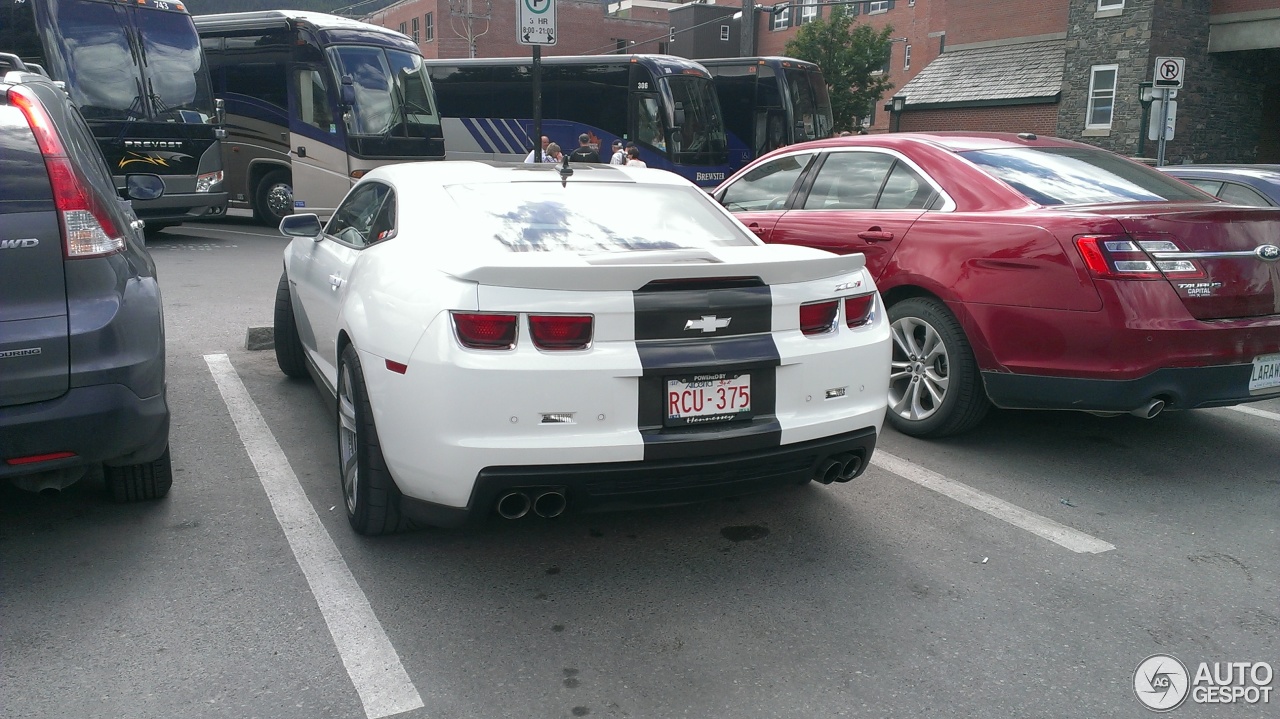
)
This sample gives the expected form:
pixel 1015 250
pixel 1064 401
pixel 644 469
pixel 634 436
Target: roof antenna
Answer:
pixel 565 171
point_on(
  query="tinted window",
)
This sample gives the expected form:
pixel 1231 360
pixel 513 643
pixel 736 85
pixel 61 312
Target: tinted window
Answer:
pixel 590 217
pixel 313 100
pixel 849 181
pixel 767 186
pixel 1238 194
pixel 179 83
pixel 353 221
pixel 904 190
pixel 97 60
pixel 1209 186
pixel 1079 176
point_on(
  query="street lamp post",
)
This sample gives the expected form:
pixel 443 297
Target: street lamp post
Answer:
pixel 1145 96
pixel 896 106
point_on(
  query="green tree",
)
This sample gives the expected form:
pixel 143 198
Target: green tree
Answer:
pixel 848 53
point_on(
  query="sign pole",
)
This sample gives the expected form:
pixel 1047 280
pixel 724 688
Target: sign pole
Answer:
pixel 537 103
pixel 1164 125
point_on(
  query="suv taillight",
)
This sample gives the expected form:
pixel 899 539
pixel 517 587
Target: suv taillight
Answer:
pixel 87 228
pixel 1121 257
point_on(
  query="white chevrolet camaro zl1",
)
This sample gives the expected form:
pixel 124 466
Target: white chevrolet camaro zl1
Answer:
pixel 530 339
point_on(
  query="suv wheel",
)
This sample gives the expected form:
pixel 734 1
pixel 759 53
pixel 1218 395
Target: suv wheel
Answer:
pixel 935 389
pixel 138 482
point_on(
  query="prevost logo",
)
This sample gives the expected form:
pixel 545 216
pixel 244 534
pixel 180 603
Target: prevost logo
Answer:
pixel 153 144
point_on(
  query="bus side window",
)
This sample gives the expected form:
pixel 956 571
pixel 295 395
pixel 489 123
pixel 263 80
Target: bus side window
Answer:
pixel 313 100
pixel 648 124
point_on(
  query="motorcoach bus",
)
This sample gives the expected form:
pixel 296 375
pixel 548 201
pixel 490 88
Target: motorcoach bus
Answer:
pixel 769 102
pixel 666 105
pixel 135 70
pixel 313 102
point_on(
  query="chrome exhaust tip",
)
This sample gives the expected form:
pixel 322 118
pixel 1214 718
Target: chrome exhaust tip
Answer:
pixel 828 471
pixel 850 465
pixel 550 504
pixel 1149 410
pixel 513 505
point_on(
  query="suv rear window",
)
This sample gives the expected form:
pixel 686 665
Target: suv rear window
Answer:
pixel 1079 176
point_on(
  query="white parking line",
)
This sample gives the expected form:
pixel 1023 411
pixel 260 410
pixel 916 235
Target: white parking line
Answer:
pixel 1072 539
pixel 1256 412
pixel 372 663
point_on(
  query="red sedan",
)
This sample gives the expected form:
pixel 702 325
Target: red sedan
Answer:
pixel 1034 273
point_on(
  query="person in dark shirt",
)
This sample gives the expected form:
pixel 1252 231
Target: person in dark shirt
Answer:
pixel 585 152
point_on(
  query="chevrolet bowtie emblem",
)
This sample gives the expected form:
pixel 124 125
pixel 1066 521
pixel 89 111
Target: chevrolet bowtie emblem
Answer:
pixel 708 323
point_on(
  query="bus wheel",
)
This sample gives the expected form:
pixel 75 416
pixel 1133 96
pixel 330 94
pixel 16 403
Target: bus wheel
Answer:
pixel 273 199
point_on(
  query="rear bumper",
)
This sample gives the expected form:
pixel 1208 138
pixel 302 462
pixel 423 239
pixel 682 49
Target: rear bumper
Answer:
pixel 102 423
pixel 1180 388
pixel 629 485
pixel 180 207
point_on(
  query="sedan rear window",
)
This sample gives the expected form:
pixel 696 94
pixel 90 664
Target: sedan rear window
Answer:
pixel 1079 176
pixel 597 217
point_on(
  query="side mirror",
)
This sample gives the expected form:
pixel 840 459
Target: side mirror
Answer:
pixel 143 187
pixel 220 111
pixel 305 225
pixel 347 93
pixel 679 114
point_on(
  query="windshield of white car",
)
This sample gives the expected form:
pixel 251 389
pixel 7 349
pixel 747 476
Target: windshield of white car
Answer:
pixel 588 217
pixel 1079 176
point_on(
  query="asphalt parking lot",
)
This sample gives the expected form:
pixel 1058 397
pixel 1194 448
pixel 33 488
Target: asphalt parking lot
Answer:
pixel 1024 569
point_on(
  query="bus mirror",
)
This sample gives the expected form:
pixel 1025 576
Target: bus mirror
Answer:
pixel 679 114
pixel 348 91
pixel 220 111
pixel 143 187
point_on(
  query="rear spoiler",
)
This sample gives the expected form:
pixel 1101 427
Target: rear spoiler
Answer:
pixel 632 270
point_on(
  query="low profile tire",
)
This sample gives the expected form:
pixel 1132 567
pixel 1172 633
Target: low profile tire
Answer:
pixel 369 492
pixel 288 345
pixel 273 198
pixel 140 482
pixel 935 389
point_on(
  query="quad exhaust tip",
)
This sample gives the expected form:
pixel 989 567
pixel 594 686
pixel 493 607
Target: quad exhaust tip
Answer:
pixel 545 502
pixel 838 468
pixel 513 505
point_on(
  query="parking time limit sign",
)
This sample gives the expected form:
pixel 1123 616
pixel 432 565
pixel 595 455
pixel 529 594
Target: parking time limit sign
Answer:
pixel 537 24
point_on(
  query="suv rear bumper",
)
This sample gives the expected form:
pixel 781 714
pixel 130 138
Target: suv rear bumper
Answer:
pixel 102 423
pixel 1180 388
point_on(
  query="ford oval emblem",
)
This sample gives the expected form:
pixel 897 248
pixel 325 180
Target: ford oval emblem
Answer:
pixel 1270 253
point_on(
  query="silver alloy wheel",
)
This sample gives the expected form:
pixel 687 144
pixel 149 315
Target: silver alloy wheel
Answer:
pixel 920 369
pixel 280 199
pixel 347 438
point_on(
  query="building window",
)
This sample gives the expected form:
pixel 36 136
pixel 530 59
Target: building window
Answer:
pixel 1102 96
pixel 808 11
pixel 724 32
pixel 620 46
pixel 404 28
pixel 1110 4
pixel 429 29
pixel 782 18
pixel 877 7
pixel 414 23
pixel 906 58
pixel 662 48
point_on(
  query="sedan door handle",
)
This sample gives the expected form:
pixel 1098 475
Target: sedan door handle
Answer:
pixel 875 234
pixel 335 281
pixel 756 228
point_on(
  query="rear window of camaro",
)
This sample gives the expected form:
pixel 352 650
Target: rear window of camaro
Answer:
pixel 597 217
pixel 1079 176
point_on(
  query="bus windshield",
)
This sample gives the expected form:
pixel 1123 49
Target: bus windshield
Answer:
pixel 698 137
pixel 102 77
pixel 178 82
pixel 810 102
pixel 392 97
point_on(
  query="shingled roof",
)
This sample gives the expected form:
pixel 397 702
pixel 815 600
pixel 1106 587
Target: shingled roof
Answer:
pixel 1024 72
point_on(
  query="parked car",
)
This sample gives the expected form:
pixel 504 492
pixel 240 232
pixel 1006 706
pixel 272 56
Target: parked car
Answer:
pixel 82 375
pixel 528 339
pixel 1033 273
pixel 1255 185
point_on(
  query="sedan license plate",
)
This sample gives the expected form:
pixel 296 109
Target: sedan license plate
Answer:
pixel 1266 373
pixel 702 398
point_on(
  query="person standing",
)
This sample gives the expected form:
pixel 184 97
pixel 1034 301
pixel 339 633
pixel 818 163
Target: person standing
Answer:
pixel 619 155
pixel 585 152
pixel 633 157
pixel 545 141
pixel 554 154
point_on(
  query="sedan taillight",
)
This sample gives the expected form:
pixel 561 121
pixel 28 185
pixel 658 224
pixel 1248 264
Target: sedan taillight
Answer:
pixel 818 317
pixel 561 332
pixel 857 310
pixel 485 331
pixel 1121 257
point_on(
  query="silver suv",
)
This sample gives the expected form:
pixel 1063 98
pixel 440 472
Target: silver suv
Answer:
pixel 82 359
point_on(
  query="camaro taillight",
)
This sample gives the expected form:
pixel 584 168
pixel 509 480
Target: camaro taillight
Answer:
pixel 485 330
pixel 818 317
pixel 1130 258
pixel 561 332
pixel 87 227
pixel 857 310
